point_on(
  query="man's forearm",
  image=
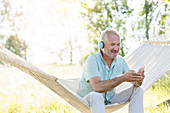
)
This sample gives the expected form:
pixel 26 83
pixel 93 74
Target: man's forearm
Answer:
pixel 103 86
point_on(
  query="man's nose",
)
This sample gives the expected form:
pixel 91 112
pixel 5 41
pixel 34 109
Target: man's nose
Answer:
pixel 116 48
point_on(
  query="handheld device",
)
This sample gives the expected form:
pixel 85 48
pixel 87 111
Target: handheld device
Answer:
pixel 141 69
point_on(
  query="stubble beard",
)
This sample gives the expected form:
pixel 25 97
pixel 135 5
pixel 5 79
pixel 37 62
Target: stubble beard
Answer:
pixel 112 54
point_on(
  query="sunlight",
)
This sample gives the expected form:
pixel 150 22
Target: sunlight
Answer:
pixel 49 25
pixel 55 33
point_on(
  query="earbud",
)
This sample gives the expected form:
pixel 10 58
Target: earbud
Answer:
pixel 101 44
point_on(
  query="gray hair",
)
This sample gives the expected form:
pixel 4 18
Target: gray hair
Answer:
pixel 114 31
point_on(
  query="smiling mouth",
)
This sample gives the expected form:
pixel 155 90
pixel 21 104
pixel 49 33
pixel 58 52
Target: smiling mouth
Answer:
pixel 114 51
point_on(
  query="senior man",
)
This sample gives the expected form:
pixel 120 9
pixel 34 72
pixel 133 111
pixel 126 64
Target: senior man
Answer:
pixel 105 70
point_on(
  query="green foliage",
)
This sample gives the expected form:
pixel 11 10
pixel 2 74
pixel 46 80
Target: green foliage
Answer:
pixel 8 18
pixel 14 108
pixel 3 10
pixel 11 107
pixel 16 45
pixel 152 13
pixel 163 83
pixel 102 14
pixel 152 19
pixel 158 93
pixel 56 107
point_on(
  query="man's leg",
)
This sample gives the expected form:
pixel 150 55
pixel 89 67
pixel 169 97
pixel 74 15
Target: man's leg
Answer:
pixel 96 102
pixel 136 103
pixel 136 99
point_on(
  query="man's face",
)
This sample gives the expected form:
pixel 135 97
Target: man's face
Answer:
pixel 112 46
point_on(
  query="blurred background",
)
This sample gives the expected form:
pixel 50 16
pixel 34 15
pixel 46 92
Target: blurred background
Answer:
pixel 65 31
pixel 58 35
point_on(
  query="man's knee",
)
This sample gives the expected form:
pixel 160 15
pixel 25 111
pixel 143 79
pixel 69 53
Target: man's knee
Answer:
pixel 96 100
pixel 96 96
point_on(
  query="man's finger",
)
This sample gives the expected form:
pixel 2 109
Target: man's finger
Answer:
pixel 132 71
pixel 137 78
pixel 136 74
pixel 143 75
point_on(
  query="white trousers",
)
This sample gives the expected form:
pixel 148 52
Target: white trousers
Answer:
pixel 96 100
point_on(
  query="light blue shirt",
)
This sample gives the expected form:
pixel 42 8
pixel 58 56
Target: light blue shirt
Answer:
pixel 94 66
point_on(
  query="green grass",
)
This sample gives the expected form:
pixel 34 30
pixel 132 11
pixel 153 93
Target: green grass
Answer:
pixel 52 107
pixel 158 93
pixel 56 107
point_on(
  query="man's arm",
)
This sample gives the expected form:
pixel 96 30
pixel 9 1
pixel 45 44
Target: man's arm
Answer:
pixel 103 86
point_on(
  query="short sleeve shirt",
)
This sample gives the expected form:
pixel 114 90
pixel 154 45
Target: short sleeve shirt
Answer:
pixel 94 66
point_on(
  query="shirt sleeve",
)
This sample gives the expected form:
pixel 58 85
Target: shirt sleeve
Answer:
pixel 91 68
pixel 125 66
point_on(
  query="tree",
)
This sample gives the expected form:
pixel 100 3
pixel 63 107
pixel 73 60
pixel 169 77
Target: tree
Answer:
pixel 152 19
pixel 16 45
pixel 154 16
pixel 8 19
pixel 102 14
pixel 4 8
pixel 72 30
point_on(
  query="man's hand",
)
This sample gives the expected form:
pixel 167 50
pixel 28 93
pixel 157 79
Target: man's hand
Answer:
pixel 132 76
pixel 137 84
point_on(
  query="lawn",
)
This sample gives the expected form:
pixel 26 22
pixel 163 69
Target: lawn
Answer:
pixel 21 93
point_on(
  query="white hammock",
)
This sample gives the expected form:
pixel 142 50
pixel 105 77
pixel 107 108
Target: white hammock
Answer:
pixel 155 58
